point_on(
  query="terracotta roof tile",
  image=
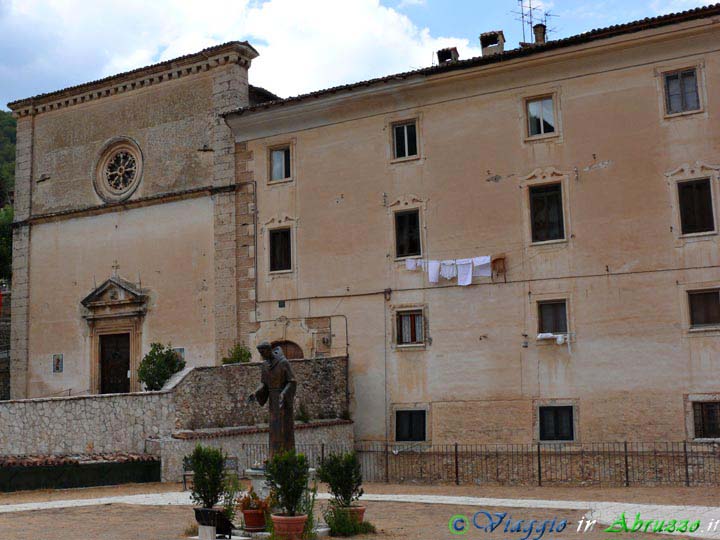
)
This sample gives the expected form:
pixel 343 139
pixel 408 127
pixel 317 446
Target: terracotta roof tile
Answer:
pixel 592 35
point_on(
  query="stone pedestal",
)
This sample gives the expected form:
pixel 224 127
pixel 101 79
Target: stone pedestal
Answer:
pixel 206 533
pixel 257 479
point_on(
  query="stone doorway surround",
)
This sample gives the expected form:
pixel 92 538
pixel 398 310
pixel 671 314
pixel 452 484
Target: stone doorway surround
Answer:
pixel 115 307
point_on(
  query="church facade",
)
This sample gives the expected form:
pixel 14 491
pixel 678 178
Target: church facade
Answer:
pixel 567 193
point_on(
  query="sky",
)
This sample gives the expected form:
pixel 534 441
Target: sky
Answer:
pixel 304 45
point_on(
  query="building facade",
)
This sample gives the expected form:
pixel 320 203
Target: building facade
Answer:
pixel 582 173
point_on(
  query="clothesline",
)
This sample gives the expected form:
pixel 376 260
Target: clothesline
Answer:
pixel 462 269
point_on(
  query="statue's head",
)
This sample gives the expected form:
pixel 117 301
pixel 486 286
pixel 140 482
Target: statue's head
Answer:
pixel 265 350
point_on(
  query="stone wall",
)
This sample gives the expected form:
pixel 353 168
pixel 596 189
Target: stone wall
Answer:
pixel 215 396
pixel 249 445
pixel 5 347
pixel 207 397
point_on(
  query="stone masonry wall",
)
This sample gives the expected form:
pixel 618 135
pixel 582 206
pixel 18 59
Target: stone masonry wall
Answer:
pixel 215 397
pixel 5 347
pixel 206 397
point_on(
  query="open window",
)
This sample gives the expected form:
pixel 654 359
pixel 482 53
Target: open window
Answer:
pixel 546 213
pixel 552 317
pixel 410 327
pixel 696 206
pixel 541 116
pixel 407 234
pixel 706 418
pixel 280 250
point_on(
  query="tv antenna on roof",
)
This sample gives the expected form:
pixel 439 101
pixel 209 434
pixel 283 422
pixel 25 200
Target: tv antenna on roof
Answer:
pixel 530 14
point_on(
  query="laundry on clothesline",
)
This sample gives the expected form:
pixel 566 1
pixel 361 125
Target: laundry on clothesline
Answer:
pixel 462 269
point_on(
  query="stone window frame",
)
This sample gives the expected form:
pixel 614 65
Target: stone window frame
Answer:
pixel 688 400
pixel 684 301
pixel 533 322
pixel 542 177
pixel 525 98
pixel 398 119
pixel 410 347
pixel 411 406
pixel 276 223
pixel 556 402
pixel 291 145
pixel 685 173
pixel 668 69
pixel 108 150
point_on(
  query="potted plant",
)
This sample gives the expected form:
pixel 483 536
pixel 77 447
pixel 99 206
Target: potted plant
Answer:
pixel 287 476
pixel 253 509
pixel 210 486
pixel 343 475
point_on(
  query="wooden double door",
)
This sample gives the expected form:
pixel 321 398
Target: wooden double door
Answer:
pixel 114 363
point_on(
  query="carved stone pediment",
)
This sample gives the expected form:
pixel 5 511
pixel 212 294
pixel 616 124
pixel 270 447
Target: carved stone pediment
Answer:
pixel 116 297
pixel 549 173
pixel 688 170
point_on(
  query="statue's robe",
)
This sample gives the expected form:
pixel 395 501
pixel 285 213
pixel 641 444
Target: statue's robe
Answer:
pixel 277 377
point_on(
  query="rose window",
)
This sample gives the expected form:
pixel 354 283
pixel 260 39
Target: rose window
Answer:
pixel 120 171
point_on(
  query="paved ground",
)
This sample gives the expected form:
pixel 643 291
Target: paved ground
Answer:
pixel 160 512
pixel 395 521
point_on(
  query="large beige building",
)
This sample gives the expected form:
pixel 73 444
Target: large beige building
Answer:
pixel 176 203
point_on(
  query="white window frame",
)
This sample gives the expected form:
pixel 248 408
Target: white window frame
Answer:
pixel 286 146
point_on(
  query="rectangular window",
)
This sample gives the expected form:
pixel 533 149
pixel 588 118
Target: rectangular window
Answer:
pixel 704 308
pixel 681 91
pixel 410 426
pixel 280 163
pixel 541 116
pixel 696 208
pixel 546 213
pixel 405 140
pixel 552 317
pixel 410 327
pixel 707 419
pixel 280 250
pixel 407 234
pixel 556 423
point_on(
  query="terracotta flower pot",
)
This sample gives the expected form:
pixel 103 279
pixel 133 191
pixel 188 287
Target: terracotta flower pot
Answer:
pixel 254 520
pixel 357 513
pixel 288 527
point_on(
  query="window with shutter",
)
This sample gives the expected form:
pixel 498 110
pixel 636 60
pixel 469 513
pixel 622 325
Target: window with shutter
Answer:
pixel 546 213
pixel 556 423
pixel 696 207
pixel 410 426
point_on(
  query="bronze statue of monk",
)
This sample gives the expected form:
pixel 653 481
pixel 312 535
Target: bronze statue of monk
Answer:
pixel 278 384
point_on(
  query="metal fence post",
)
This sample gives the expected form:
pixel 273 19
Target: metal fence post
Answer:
pixel 539 464
pixel 457 466
pixel 687 467
pixel 322 454
pixel 627 470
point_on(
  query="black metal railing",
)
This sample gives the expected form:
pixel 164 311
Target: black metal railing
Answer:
pixel 540 464
pixel 545 464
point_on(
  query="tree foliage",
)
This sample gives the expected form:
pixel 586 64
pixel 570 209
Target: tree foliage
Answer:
pixel 158 366
pixel 7 156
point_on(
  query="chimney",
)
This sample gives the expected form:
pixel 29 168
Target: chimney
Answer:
pixel 450 54
pixel 492 42
pixel 540 31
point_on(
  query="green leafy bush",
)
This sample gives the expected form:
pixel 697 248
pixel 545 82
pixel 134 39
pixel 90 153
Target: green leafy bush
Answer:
pixel 209 479
pixel 239 354
pixel 342 523
pixel 287 475
pixel 158 366
pixel 343 475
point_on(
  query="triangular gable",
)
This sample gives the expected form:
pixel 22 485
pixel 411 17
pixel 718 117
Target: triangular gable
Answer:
pixel 115 291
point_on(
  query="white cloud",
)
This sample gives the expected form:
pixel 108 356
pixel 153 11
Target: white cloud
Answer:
pixel 408 3
pixel 304 45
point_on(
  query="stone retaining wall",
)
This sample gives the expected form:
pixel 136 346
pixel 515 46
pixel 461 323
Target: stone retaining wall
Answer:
pixel 250 445
pixel 204 397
